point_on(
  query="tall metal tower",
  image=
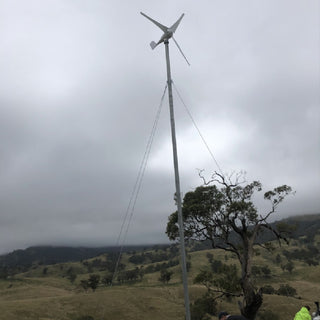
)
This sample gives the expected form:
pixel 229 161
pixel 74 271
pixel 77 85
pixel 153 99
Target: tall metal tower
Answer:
pixel 167 34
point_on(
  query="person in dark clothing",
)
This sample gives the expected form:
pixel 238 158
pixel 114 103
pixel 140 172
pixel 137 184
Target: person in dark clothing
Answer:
pixel 226 316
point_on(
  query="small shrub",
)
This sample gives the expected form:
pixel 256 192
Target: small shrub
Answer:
pixel 84 284
pixel 266 271
pixel 93 281
pixel 45 271
pixel 286 290
pixel 203 307
pixel 268 289
pixel 278 259
pixel 256 271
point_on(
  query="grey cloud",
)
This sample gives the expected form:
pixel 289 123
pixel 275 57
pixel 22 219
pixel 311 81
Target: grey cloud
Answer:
pixel 80 88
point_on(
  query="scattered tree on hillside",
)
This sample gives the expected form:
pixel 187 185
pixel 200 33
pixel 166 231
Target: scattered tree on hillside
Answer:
pixel 165 275
pixel 4 273
pixel 278 259
pixel 311 262
pixel 71 275
pixel 286 290
pixel 265 271
pixel 310 255
pixel 107 279
pixel 85 285
pixel 131 275
pixel 268 289
pixel 152 257
pixel 222 212
pixel 289 266
pixel 93 281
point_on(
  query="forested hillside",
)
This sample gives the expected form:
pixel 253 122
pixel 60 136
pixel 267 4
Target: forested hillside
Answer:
pixel 304 227
pixel 147 282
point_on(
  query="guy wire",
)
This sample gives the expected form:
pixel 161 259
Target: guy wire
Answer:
pixel 137 186
pixel 197 128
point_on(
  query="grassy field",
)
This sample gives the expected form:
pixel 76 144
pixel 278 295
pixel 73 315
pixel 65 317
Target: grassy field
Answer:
pixel 51 296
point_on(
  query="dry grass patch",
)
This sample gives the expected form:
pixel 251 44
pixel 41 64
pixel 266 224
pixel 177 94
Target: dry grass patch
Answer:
pixel 113 303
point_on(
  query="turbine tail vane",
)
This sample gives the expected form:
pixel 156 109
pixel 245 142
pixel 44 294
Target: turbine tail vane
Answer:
pixel 153 44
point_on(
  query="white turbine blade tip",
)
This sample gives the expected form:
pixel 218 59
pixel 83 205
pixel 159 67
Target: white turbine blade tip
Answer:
pixel 158 24
pixel 176 24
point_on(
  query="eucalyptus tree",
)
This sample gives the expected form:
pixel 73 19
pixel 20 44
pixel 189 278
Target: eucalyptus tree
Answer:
pixel 222 211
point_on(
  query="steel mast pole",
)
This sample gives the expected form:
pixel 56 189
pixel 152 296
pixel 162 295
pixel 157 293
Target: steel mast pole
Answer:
pixel 178 192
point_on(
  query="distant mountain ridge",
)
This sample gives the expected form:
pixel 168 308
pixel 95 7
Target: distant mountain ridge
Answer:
pixel 306 225
pixel 46 255
pixel 303 225
pixel 300 226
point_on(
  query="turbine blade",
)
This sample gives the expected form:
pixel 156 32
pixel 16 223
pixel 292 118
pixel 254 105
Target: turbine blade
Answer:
pixel 161 26
pixel 180 50
pixel 174 27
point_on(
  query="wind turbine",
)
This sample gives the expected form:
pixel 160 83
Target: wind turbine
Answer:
pixel 167 34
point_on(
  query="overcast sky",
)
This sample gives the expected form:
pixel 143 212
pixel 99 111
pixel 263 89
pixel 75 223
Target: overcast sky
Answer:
pixel 80 88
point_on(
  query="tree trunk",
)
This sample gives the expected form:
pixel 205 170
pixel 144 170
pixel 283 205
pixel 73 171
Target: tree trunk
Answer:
pixel 253 302
pixel 252 299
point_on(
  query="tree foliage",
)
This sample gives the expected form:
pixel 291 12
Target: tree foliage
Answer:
pixel 203 308
pixel 286 290
pixel 93 281
pixel 289 266
pixel 84 284
pixel 165 275
pixel 131 275
pixel 222 211
pixel 224 278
